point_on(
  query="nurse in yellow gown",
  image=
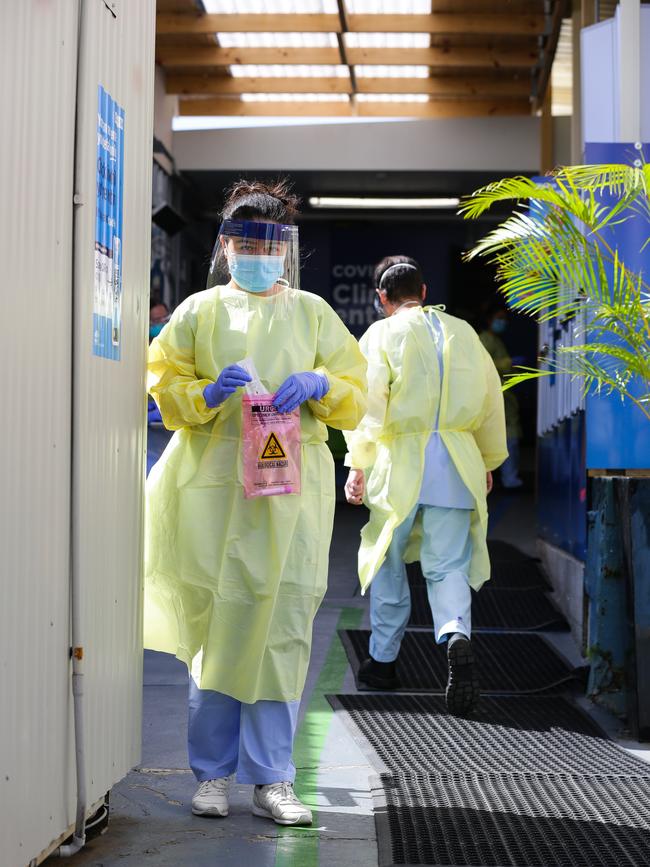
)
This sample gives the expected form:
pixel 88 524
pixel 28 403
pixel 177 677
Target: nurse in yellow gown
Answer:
pixel 232 585
pixel 422 457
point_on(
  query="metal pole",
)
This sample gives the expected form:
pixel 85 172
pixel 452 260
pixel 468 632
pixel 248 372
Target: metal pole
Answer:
pixel 629 12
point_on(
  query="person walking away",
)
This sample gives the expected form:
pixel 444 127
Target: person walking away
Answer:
pixel 492 339
pixel 421 460
pixel 233 583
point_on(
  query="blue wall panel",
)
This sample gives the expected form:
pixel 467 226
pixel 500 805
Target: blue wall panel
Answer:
pixel 618 434
pixel 561 497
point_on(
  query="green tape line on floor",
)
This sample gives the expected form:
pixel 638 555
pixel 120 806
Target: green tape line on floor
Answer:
pixel 296 847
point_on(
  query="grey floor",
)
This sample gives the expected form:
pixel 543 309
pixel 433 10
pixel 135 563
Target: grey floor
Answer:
pixel 151 822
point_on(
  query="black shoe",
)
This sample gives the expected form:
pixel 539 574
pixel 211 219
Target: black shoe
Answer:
pixel 462 692
pixel 378 675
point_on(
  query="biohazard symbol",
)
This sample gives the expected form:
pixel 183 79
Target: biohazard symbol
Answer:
pixel 272 450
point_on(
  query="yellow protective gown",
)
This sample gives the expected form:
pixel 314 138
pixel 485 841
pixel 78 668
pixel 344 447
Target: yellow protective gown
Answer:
pixel 232 585
pixel 404 391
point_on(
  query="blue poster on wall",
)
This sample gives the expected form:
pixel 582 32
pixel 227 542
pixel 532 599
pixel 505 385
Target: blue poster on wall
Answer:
pixel 107 298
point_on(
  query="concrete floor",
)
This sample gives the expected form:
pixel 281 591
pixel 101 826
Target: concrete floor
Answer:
pixel 151 822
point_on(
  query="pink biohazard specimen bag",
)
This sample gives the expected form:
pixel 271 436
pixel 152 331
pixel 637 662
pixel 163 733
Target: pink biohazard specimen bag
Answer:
pixel 270 448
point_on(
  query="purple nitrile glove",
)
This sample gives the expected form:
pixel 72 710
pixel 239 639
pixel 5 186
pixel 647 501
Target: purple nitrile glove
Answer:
pixel 298 388
pixel 229 380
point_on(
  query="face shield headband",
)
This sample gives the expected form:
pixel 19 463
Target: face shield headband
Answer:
pixel 256 255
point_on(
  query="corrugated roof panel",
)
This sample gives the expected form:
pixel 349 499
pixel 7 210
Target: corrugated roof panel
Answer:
pixel 277 40
pixel 392 97
pixel 295 97
pixel 387 40
pixel 287 70
pixel 370 71
pixel 275 7
pixel 388 7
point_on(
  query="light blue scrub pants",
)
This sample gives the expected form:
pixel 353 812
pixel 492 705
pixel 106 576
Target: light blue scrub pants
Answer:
pixel 445 558
pixel 254 740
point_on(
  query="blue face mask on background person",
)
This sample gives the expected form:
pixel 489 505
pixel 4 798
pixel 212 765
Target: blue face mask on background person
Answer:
pixel 154 330
pixel 499 325
pixel 255 273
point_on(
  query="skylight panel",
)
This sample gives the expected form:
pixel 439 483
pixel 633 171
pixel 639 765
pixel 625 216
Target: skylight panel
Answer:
pixel 387 40
pixel 295 97
pixel 273 7
pixel 392 97
pixel 287 70
pixel 365 71
pixel 388 7
pixel 277 40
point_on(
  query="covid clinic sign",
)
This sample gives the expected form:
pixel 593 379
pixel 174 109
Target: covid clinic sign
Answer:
pixel 353 294
pixel 107 296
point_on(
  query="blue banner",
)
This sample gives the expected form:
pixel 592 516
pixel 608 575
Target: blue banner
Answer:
pixel 107 301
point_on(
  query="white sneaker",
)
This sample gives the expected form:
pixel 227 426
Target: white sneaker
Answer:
pixel 278 801
pixel 211 798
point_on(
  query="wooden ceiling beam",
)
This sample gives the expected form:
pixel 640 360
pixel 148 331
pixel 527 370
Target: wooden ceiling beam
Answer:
pixel 175 24
pixel 448 85
pixel 237 108
pixel 432 109
pixel 205 57
pixel 222 85
pixel 449 24
pixel 446 108
pixel 440 23
pixel 461 87
pixel 477 56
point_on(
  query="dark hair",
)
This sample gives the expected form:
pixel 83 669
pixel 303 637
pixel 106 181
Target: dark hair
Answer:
pixel 493 308
pixel 401 282
pixel 156 301
pixel 273 202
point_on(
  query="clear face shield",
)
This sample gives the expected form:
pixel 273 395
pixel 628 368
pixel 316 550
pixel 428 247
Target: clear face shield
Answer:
pixel 261 258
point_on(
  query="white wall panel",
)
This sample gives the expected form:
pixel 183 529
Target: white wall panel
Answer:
pixel 36 170
pixel 68 415
pixel 499 144
pixel 109 397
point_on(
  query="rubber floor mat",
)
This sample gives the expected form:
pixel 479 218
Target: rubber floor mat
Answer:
pixel 506 575
pixel 507 735
pixel 520 820
pixel 493 608
pixel 500 550
pixel 507 663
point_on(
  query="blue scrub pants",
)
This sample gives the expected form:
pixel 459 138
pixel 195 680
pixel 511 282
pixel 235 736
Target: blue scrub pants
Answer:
pixel 227 736
pixel 445 558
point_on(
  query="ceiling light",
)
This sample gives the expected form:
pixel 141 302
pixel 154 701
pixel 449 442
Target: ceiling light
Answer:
pixel 287 70
pixel 366 71
pixel 392 97
pixel 363 202
pixel 273 7
pixel 277 40
pixel 388 7
pixel 295 97
pixel 387 40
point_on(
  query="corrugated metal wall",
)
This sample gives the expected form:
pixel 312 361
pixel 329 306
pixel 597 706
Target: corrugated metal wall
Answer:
pixel 38 63
pixel 36 171
pixel 109 396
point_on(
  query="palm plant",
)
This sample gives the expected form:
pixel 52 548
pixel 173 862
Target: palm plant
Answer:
pixel 556 256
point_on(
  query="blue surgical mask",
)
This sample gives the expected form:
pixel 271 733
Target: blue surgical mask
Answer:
pixel 255 273
pixel 499 325
pixel 154 330
pixel 379 308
